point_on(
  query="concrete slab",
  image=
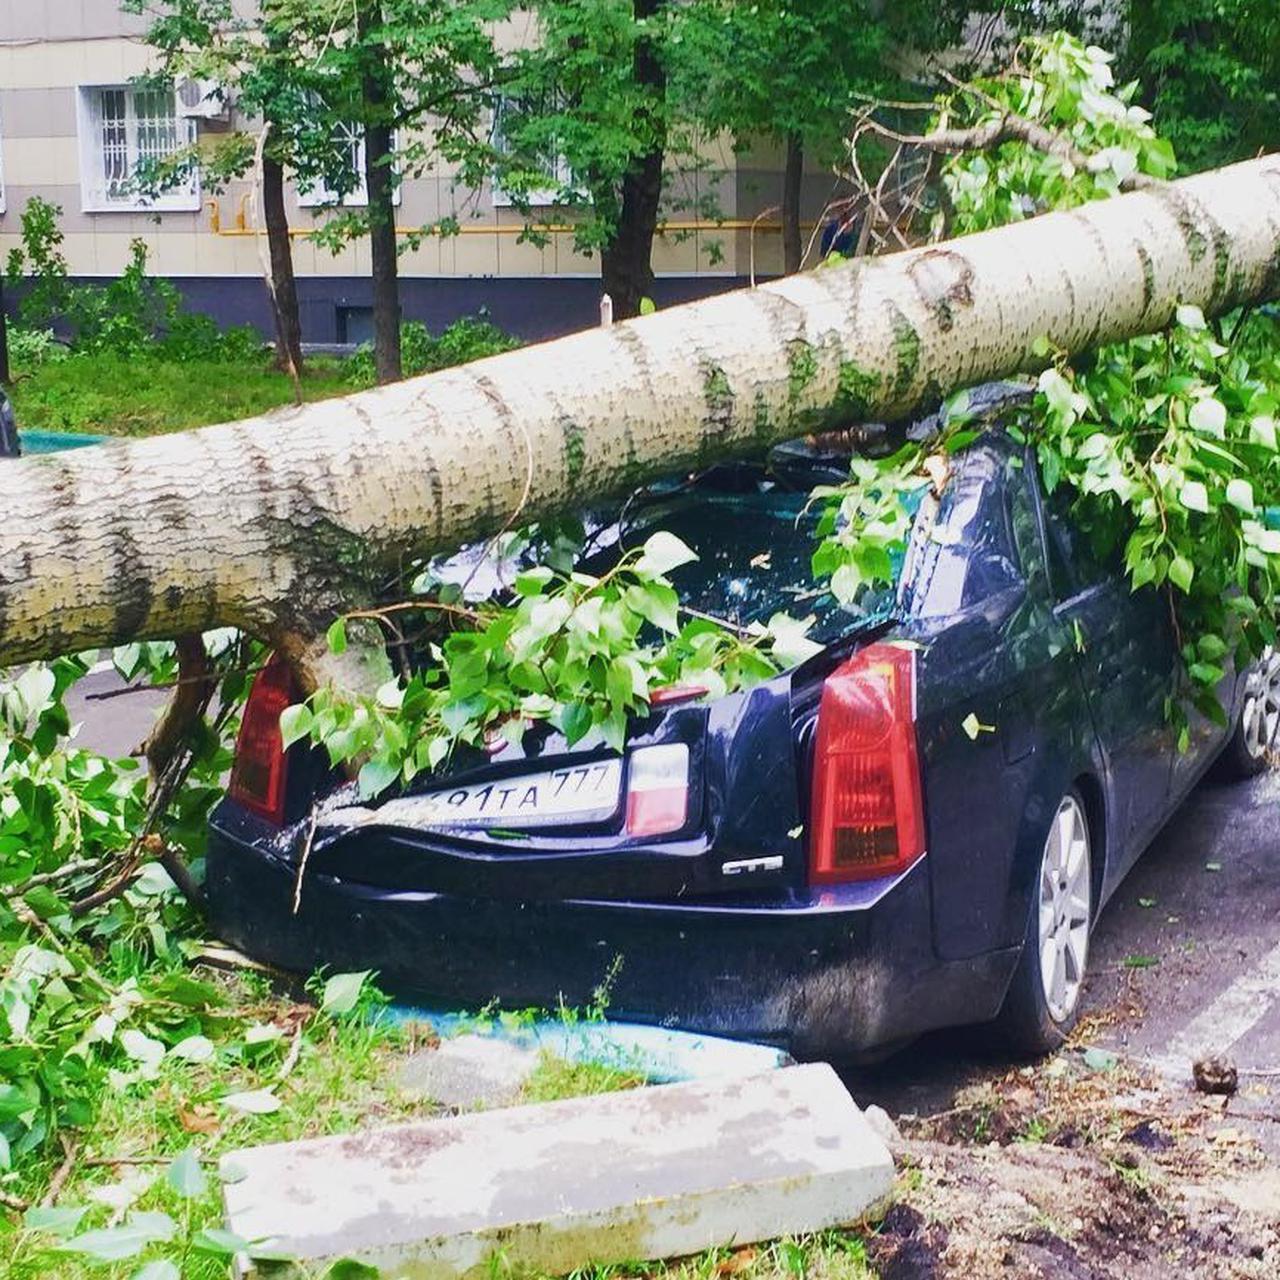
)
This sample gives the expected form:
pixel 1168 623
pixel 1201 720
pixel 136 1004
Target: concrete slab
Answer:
pixel 468 1071
pixel 651 1173
pixel 663 1055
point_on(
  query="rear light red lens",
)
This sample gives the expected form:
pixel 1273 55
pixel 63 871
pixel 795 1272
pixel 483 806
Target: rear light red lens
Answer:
pixel 867 814
pixel 669 694
pixel 259 773
pixel 658 790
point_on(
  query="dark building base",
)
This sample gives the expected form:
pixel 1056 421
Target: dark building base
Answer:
pixel 336 309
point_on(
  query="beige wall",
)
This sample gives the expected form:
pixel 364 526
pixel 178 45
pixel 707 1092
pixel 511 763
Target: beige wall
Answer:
pixel 49 47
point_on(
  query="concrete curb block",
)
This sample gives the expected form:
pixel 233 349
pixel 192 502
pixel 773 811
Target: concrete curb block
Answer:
pixel 651 1173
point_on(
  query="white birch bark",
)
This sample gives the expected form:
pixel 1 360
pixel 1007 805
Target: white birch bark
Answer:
pixel 275 523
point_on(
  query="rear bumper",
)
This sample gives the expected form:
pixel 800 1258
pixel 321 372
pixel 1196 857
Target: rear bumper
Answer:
pixel 845 973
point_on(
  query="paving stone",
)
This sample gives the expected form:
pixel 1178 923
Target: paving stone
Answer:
pixel 649 1173
pixel 468 1071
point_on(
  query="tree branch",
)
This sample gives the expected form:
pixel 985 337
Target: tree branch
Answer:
pixel 1008 126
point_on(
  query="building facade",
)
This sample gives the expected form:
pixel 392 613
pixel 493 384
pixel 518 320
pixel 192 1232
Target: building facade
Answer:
pixel 73 126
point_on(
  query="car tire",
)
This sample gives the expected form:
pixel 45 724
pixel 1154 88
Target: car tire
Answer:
pixel 1254 737
pixel 1043 1001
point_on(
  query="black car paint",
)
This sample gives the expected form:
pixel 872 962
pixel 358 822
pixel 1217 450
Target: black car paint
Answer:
pixel 1066 681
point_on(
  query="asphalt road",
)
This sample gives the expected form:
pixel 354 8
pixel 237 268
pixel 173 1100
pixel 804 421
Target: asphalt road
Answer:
pixel 1185 958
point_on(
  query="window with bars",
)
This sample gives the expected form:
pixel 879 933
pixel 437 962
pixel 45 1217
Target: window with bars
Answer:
pixel 123 128
pixel 539 158
pixel 348 159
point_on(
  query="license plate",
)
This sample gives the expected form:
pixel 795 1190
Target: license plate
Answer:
pixel 576 793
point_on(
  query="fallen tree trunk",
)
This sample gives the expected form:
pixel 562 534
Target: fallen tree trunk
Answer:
pixel 277 523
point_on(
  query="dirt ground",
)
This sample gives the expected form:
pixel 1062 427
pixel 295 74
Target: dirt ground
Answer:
pixel 1081 1169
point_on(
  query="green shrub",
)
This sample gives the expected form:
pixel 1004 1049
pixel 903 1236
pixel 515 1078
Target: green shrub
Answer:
pixel 471 338
pixel 30 348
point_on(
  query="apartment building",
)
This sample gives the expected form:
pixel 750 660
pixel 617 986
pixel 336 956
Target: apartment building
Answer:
pixel 73 126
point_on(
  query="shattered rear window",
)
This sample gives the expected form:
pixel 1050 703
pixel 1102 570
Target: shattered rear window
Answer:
pixel 754 559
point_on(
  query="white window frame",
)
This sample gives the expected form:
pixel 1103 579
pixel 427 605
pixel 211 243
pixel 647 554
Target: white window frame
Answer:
pixel 318 195
pixel 540 197
pixel 3 205
pixel 96 195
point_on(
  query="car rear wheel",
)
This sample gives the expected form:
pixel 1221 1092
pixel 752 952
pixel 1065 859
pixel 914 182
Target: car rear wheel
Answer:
pixel 1254 737
pixel 1043 1001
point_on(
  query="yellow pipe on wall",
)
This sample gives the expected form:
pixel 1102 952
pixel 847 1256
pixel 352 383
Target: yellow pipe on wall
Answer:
pixel 505 229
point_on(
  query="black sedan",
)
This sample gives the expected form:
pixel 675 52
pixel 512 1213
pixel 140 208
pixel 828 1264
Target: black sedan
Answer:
pixel 915 828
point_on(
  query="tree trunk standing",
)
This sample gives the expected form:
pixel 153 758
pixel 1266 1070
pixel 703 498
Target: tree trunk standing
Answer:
pixel 6 374
pixel 792 175
pixel 626 269
pixel 380 189
pixel 277 523
pixel 284 287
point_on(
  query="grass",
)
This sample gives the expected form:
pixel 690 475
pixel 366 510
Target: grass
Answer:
pixel 109 394
pixel 330 1075
pixel 342 1077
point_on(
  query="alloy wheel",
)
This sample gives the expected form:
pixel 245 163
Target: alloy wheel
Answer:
pixel 1066 898
pixel 1260 715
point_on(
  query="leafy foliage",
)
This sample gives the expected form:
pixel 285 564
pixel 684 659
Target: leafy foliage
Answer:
pixel 579 652
pixel 72 822
pixel 1168 446
pixel 471 338
pixel 1211 73
pixel 1069 89
pixel 131 315
pixel 1164 447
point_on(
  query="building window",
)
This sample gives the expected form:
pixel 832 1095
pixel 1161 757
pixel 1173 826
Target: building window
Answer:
pixel 123 129
pixel 348 159
pixel 542 159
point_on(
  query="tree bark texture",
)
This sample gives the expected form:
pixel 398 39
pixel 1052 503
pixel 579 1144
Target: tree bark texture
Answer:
pixel 626 262
pixel 380 189
pixel 284 286
pixel 792 178
pixel 275 523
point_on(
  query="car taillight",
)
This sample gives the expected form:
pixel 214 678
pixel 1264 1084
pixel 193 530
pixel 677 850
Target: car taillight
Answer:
pixel 657 789
pixel 259 772
pixel 867 815
pixel 668 695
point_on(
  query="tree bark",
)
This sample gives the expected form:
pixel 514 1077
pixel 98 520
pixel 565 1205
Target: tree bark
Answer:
pixel 626 269
pixel 792 174
pixel 380 189
pixel 284 286
pixel 276 523
pixel 6 374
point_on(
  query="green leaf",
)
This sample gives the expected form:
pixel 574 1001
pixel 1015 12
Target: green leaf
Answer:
pixel 57 1220
pixel 1209 416
pixel 185 1175
pixel 647 306
pixel 254 1102
pixel 532 581
pixel 1262 430
pixel 1240 495
pixel 662 553
pixel 160 1269
pixel 375 777
pixel 1181 572
pixel 295 723
pixel 575 721
pixel 214 1242
pixel 1099 1060
pixel 336 636
pixel 1190 317
pixel 112 1244
pixel 342 992
pixel 1194 496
